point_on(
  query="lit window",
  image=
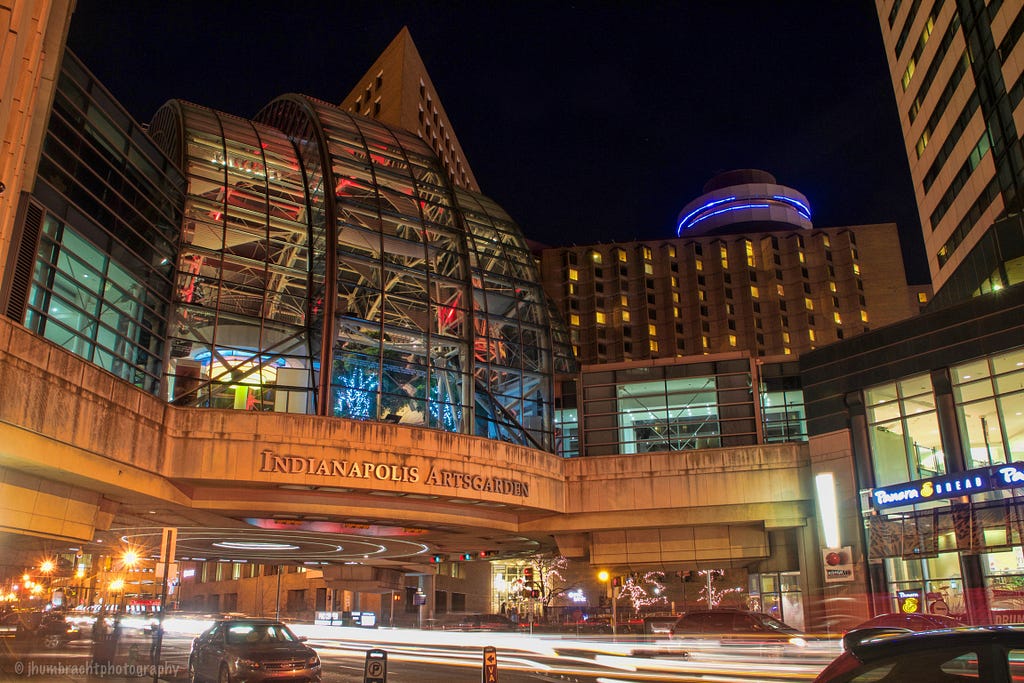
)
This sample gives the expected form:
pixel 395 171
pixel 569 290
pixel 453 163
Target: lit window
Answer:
pixel 647 253
pixel 786 350
pixel 572 287
pixel 699 264
pixel 754 291
pixel 826 241
pixel 622 255
pixel 864 316
pixel 922 297
pixel 600 317
pixel 749 247
pixel 856 269
pixel 654 346
pixel 676 311
pixel 725 255
pixel 625 316
pixel 832 286
pixel 624 300
pixel 808 304
pixel 732 340
pixel 780 289
pixel 785 337
pixel 675 281
pixel 812 335
pixel 574 320
pixel 648 269
pixel 702 295
pixel 652 330
pixel 597 257
pixel 705 342
pixel 802 257
pixel 675 297
pixel 574 274
pixel 837 318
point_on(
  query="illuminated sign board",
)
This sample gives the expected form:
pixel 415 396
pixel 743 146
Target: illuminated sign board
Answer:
pixel 949 486
pixel 369 471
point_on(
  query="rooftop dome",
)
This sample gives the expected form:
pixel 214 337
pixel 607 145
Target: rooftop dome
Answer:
pixel 744 200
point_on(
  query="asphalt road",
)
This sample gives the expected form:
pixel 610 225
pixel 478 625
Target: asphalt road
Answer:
pixel 418 657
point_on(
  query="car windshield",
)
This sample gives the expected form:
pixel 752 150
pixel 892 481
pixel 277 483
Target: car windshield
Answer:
pixel 244 632
pixel 773 624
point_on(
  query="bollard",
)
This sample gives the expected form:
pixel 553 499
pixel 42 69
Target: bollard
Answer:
pixel 376 669
pixel 490 670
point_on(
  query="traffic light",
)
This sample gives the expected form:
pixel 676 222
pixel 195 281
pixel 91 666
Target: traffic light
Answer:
pixel 488 553
pixel 535 593
pixel 528 576
pixel 616 581
pixel 466 556
pixel 437 559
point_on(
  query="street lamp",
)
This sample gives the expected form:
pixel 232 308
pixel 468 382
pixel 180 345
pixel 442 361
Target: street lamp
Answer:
pixel 129 559
pixel 117 586
pixel 604 577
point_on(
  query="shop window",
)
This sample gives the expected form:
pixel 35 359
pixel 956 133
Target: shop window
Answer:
pixel 989 397
pixel 904 431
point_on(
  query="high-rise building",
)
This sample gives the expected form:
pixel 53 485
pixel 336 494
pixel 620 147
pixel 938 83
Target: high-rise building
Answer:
pixel 748 271
pixel 396 90
pixel 957 72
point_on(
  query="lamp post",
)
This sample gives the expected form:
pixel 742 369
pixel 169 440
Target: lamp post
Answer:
pixel 605 577
pixel 80 574
pixel 117 586
pixel 46 568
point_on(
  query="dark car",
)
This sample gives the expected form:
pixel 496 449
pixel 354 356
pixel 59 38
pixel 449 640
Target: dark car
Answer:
pixel 911 622
pixel 737 627
pixel 994 654
pixel 49 630
pixel 476 622
pixel 250 649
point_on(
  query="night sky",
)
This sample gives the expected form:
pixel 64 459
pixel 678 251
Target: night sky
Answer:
pixel 587 121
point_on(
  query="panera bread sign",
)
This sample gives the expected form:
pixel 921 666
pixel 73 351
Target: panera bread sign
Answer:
pixel 368 470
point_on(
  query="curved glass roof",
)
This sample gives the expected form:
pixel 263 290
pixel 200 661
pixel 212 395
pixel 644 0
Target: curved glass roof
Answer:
pixel 317 240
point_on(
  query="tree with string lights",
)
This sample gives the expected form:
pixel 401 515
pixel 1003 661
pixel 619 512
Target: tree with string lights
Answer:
pixel 713 596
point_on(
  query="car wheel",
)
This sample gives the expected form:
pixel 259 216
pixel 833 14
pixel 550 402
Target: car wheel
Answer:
pixel 51 641
pixel 225 675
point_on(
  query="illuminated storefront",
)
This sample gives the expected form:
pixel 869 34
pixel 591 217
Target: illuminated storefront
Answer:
pixel 935 410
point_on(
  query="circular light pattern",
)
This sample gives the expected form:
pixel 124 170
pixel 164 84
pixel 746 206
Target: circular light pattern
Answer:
pixel 235 545
pixel 285 546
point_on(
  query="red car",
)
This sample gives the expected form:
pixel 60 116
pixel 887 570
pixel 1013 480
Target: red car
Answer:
pixel 911 622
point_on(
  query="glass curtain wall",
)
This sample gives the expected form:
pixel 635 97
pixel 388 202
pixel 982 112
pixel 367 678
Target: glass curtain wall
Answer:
pixel 239 338
pixel 904 431
pixel 989 396
pixel 101 282
pixel 438 319
pixel 682 406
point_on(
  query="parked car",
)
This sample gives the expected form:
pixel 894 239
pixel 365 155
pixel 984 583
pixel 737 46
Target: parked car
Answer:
pixel 962 654
pixel 476 622
pixel 49 630
pixel 911 622
pixel 252 649
pixel 737 627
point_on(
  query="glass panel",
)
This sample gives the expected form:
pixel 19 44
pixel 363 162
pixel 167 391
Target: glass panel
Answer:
pixel 889 453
